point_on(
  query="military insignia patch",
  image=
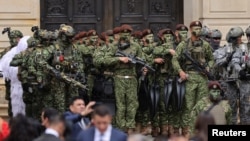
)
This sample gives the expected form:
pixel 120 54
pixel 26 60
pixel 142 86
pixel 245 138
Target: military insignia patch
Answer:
pixel 94 33
pixel 183 28
pixel 214 86
pixel 197 23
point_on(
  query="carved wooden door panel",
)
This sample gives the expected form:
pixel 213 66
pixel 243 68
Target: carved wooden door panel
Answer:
pixel 153 14
pixel 81 14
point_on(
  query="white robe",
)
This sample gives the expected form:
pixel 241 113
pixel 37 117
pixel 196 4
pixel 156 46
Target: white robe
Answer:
pixel 10 73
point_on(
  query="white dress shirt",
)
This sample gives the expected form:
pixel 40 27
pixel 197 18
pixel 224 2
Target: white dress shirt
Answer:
pixel 103 137
pixel 52 132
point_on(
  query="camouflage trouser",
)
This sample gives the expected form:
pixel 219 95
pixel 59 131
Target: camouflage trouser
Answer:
pixel 35 101
pixel 142 117
pixel 7 97
pixel 196 89
pixel 245 102
pixel 61 94
pixel 90 83
pixel 126 102
pixel 231 95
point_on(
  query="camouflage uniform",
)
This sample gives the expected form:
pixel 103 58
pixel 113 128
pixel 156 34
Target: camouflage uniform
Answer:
pixel 196 84
pixel 90 70
pixel 63 58
pixel 14 37
pixel 125 83
pixel 213 104
pixel 168 118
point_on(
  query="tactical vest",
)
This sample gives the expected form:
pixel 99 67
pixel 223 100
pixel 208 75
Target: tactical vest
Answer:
pixel 67 59
pixel 197 52
pixel 166 67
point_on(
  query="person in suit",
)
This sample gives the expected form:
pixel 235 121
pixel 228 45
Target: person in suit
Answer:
pixel 102 129
pixel 55 126
pixel 76 116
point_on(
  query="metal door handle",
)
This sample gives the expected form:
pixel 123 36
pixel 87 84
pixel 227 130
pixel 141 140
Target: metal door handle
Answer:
pixel 117 18
pixel 70 19
pixel 98 19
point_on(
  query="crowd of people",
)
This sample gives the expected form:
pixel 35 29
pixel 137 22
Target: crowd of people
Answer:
pixel 170 87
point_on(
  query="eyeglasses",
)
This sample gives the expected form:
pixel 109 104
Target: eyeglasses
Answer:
pixel 217 38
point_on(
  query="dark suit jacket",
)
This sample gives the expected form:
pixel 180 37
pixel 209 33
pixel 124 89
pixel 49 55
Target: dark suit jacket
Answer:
pixel 75 127
pixel 47 137
pixel 88 135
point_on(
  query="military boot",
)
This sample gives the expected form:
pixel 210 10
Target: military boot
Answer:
pixel 155 131
pixel 145 130
pixel 186 132
pixel 138 127
pixel 172 131
pixel 164 130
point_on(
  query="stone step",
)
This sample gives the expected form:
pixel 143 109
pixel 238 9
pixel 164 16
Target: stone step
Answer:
pixel 4 111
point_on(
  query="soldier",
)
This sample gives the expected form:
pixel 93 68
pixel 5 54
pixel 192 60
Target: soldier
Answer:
pixel 181 33
pixel 239 76
pixel 167 67
pixel 136 37
pixel 80 38
pixel 34 80
pixel 125 80
pixel 146 38
pixel 215 39
pixel 14 37
pixel 90 70
pixel 214 102
pixel 206 34
pixel 64 61
pixel 196 85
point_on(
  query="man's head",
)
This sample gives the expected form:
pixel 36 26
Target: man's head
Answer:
pixel 215 91
pixel 166 35
pixel 47 115
pixel 110 36
pixel 77 105
pixel 102 117
pixel 215 38
pixel 195 28
pixel 93 37
pixel 234 35
pixel 248 34
pixel 181 32
pixel 148 36
pixel 125 33
pixel 206 34
pixel 14 36
pixel 66 33
pixel 116 32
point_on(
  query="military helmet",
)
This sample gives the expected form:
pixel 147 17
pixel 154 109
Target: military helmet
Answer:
pixel 15 34
pixel 248 31
pixel 67 30
pixel 235 32
pixel 215 33
pixel 205 31
pixel 44 34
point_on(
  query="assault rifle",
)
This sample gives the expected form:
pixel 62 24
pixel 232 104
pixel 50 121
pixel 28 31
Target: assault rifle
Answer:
pixel 198 66
pixel 66 78
pixel 135 60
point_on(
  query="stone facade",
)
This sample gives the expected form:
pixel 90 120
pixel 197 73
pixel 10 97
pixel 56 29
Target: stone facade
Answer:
pixel 220 14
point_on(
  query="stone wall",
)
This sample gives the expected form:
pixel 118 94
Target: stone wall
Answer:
pixel 17 14
pixel 218 14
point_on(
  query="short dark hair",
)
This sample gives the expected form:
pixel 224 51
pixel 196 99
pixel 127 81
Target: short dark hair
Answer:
pixel 102 110
pixel 50 113
pixel 73 99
